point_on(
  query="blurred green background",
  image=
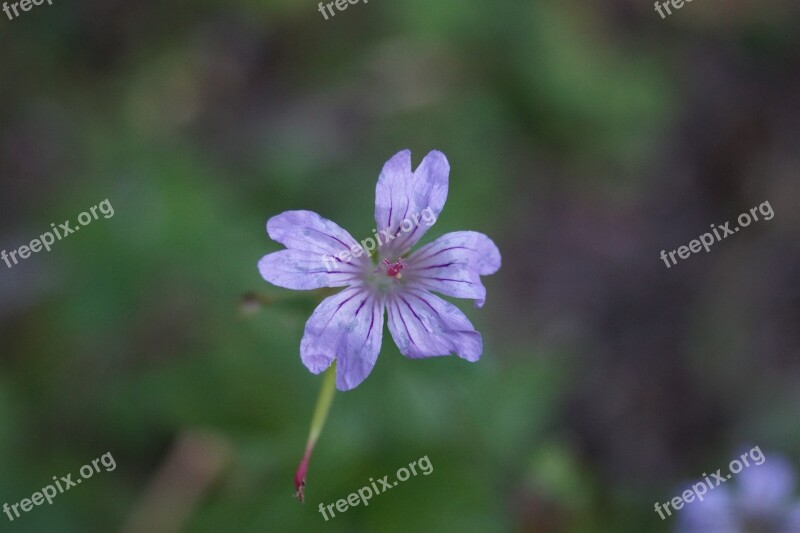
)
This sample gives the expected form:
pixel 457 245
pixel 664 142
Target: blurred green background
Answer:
pixel 583 137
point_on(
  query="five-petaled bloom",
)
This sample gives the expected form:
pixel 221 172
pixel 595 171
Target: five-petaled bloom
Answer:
pixel 348 326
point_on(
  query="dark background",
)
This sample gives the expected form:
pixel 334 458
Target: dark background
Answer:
pixel 583 137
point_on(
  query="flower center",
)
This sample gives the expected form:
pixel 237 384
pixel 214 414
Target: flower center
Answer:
pixel 393 269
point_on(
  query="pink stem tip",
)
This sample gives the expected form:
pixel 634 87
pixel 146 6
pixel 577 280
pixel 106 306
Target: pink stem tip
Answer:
pixel 300 475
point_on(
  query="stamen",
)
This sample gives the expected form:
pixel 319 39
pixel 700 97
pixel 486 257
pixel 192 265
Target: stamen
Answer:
pixel 393 270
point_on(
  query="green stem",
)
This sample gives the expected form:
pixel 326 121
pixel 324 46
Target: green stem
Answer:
pixel 324 402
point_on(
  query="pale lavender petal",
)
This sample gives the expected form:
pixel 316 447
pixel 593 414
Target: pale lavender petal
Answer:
pixel 766 488
pixel 298 270
pixel 307 231
pixel 423 325
pixel 347 327
pixel 391 192
pixel 408 203
pixel 313 257
pixel 453 263
pixel 716 513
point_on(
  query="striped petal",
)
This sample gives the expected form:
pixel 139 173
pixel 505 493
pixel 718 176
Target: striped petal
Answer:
pixel 452 265
pixel 424 325
pixel 318 253
pixel 347 327
pixel 408 203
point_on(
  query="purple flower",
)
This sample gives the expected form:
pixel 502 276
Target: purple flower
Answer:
pixel 348 326
pixel 760 500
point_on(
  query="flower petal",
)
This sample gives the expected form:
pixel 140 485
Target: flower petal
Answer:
pixel 767 487
pixel 408 203
pixel 311 261
pixel 423 325
pixel 453 263
pixel 717 512
pixel 292 269
pixel 347 327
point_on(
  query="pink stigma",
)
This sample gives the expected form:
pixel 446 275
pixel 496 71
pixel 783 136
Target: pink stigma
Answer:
pixel 393 270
